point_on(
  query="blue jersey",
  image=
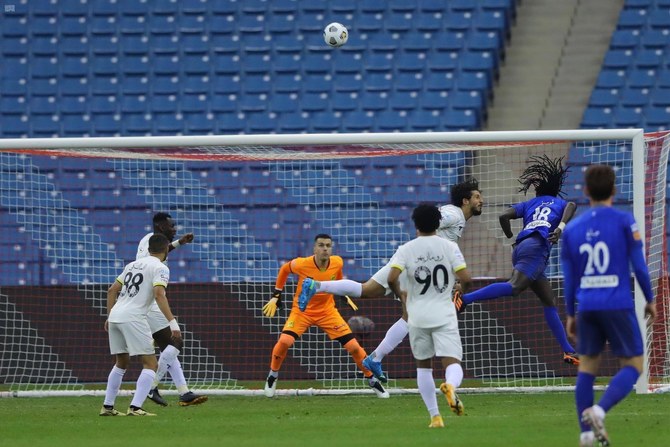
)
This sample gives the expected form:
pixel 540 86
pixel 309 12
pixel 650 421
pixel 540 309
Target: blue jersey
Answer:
pixel 541 215
pixel 598 249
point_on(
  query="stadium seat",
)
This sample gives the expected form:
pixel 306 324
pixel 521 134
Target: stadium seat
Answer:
pixel 391 121
pixel 293 123
pixel 608 79
pixel 596 117
pixel 624 39
pixel 602 97
pixel 642 78
pixel 658 118
pixel 631 19
pixel 634 97
pixel 403 101
pixel 358 122
pixel 421 120
pixel 618 59
pixel 373 101
pixel 626 117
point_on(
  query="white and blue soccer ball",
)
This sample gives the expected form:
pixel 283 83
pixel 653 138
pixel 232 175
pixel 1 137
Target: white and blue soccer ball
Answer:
pixel 335 34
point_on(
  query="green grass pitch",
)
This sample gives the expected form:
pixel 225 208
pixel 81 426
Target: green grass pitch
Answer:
pixel 511 419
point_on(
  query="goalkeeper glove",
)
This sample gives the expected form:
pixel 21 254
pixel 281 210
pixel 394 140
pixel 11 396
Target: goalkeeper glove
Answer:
pixel 270 308
pixel 350 302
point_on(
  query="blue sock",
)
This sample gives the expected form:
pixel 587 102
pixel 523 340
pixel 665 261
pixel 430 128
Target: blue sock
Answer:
pixel 620 385
pixel 556 326
pixel 584 396
pixel 492 291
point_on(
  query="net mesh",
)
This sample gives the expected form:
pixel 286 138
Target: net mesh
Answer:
pixel 71 218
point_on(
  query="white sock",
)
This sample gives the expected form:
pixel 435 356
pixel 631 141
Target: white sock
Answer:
pixel 341 287
pixel 598 410
pixel 394 336
pixel 426 384
pixel 453 375
pixel 177 374
pixel 143 387
pixel 274 374
pixel 165 360
pixel 113 385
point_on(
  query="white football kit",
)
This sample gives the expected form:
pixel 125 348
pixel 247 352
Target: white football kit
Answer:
pixel 155 317
pixel 129 331
pixel 429 264
pixel 451 228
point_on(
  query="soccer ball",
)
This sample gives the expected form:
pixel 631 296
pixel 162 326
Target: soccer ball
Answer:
pixel 361 325
pixel 335 34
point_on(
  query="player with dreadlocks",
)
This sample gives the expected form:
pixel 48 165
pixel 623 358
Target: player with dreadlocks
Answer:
pixel 544 218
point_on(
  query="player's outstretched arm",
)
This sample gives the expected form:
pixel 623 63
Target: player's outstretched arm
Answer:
pixel 185 239
pixel 464 279
pixel 504 219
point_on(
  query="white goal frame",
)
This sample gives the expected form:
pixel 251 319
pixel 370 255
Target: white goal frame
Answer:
pixel 243 145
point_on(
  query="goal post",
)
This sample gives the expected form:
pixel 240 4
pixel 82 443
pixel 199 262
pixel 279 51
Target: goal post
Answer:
pixel 73 211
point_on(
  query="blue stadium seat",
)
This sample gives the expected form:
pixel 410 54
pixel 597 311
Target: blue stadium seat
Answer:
pixel 314 102
pixel 641 78
pixel 596 117
pixel 631 19
pixel 229 123
pixel 369 23
pixel 460 120
pixel 618 59
pixel 608 79
pixel 634 97
pixel 256 83
pixel 75 126
pixel 136 125
pixel 624 39
pixel 373 101
pixel 39 106
pixel 316 83
pixel 657 118
pixel 284 103
pixel 343 102
pixel 655 39
pixel 439 81
pixel 382 43
pixel 649 59
pixel 293 123
pixel 659 19
pixel 397 23
pixel 390 121
pixel 660 96
pixel 602 97
pixel 352 82
pixel 198 123
pixel 404 101
pixel 358 122
pixel 408 82
pixel 422 120
pixel 410 62
pixel 378 82
pixel 627 117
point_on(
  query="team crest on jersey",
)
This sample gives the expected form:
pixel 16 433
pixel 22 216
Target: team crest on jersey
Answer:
pixel 290 323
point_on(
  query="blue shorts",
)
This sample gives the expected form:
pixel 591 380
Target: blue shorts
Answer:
pixel 530 256
pixel 619 327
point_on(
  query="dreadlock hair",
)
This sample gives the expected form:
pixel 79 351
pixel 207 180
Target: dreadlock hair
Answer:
pixel 545 175
pixel 463 190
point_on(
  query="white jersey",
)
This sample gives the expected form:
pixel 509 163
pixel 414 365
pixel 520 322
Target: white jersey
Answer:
pixel 429 263
pixel 452 223
pixel 137 293
pixel 143 247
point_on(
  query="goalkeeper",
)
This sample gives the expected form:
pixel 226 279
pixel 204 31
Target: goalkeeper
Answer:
pixel 321 312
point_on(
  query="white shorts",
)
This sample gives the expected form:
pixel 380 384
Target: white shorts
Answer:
pixel 441 341
pixel 133 337
pixel 156 320
pixel 382 278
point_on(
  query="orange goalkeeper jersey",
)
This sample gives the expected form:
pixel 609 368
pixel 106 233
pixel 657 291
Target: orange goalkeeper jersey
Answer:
pixel 307 268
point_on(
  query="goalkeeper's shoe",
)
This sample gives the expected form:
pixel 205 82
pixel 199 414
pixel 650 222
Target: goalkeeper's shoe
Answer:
pixel 375 368
pixel 597 424
pixel 457 298
pixel 378 388
pixel 105 411
pixel 270 386
pixel 452 398
pixel 436 422
pixel 137 411
pixel 190 398
pixel 306 294
pixel 155 397
pixel 571 357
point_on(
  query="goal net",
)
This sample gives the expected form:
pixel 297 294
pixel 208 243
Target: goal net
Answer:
pixel 72 212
